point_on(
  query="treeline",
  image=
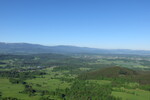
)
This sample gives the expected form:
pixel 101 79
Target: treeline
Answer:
pixel 16 77
pixel 23 75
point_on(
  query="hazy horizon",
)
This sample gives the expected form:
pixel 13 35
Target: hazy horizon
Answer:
pixel 117 24
pixel 74 46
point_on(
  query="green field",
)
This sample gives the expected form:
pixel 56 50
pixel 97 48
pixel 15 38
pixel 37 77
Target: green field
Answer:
pixel 132 94
pixel 12 90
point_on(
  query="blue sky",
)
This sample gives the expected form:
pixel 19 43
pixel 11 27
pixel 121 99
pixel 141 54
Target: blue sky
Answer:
pixel 111 24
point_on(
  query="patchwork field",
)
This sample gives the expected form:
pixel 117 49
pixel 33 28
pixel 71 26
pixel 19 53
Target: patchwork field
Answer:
pixel 43 77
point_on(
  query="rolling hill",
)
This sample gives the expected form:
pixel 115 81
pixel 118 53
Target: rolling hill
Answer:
pixel 110 72
pixel 116 72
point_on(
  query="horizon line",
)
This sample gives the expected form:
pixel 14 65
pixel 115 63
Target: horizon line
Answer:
pixel 75 46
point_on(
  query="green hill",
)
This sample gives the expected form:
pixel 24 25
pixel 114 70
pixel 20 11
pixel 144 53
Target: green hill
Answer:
pixel 111 72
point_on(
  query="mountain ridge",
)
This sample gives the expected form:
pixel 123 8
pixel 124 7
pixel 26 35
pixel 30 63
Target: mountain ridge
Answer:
pixel 38 48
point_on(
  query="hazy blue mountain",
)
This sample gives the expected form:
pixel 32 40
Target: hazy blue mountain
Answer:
pixel 27 48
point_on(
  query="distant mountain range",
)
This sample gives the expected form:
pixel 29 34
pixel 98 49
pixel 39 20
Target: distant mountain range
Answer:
pixel 26 48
